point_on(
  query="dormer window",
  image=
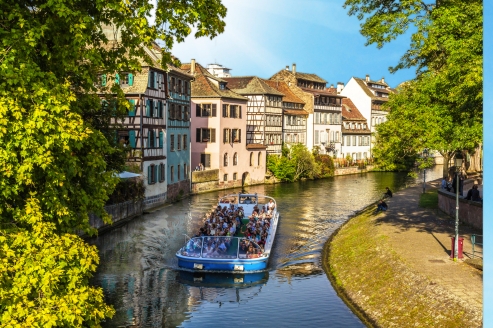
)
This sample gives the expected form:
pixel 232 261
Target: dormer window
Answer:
pixel 222 85
pixel 125 79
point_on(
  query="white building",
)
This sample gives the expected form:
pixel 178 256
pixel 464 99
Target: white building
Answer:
pixel 218 70
pixel 355 132
pixel 368 96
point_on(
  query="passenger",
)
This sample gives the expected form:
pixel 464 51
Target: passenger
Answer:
pixel 271 205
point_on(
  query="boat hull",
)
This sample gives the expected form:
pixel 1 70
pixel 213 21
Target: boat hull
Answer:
pixel 240 265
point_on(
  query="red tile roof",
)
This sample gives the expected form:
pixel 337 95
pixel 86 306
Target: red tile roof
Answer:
pixel 282 87
pixel 251 85
pixel 350 112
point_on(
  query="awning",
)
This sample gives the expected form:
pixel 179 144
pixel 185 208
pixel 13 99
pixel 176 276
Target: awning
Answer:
pixel 127 175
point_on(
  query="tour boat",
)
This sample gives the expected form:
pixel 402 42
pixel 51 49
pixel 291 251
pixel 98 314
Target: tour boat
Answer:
pixel 196 254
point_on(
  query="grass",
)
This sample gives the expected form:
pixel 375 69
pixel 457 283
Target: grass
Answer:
pixel 377 284
pixel 429 199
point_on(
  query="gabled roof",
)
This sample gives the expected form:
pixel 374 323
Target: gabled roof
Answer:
pixel 174 69
pixel 309 77
pixel 363 84
pixel 203 87
pixel 282 87
pixel 250 85
pixel 350 112
pixel 324 92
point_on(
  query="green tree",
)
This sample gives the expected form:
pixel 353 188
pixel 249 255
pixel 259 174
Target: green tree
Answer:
pixel 446 50
pixel 58 153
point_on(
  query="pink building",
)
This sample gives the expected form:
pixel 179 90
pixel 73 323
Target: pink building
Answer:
pixel 218 132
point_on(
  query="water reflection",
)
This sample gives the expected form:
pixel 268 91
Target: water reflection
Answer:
pixel 140 278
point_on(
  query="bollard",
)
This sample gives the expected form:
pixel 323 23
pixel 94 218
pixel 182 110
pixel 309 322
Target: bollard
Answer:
pixel 459 253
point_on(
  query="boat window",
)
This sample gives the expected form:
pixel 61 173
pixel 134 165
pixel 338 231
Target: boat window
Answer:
pixel 249 249
pixel 220 247
pixel 248 200
pixel 193 248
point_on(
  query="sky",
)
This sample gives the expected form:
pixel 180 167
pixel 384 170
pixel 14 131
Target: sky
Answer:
pixel 262 37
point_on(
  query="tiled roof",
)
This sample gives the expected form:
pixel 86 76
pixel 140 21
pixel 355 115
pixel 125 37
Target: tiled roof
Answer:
pixel 175 69
pixel 366 88
pixel 309 77
pixel 203 87
pixel 350 111
pixel 250 85
pixel 255 146
pixel 295 112
pixel 324 92
pixel 282 87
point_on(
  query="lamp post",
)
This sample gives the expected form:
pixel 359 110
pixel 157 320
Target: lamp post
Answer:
pixel 425 156
pixel 458 165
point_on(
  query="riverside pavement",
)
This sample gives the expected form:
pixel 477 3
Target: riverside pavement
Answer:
pixel 422 238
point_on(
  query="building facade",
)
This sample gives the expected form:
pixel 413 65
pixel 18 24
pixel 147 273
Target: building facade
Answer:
pixel 368 96
pixel 355 132
pixel 219 131
pixel 178 132
pixel 264 111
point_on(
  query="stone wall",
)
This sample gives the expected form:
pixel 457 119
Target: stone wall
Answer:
pixel 470 212
pixel 175 189
pixel 352 170
pixel 155 201
pixel 119 213
pixel 205 181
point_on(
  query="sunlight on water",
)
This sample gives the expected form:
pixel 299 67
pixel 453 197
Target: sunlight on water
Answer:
pixel 139 275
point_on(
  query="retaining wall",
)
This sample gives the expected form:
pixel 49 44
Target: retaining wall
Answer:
pixel 470 212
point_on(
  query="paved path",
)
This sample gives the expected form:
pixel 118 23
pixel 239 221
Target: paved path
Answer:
pixel 422 238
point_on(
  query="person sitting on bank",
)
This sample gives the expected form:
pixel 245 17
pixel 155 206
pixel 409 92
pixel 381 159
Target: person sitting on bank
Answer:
pixel 388 193
pixel 382 206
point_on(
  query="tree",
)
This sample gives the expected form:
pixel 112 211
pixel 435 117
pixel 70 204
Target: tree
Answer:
pixel 58 155
pixel 446 50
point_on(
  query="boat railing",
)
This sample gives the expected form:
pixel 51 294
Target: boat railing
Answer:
pixel 219 247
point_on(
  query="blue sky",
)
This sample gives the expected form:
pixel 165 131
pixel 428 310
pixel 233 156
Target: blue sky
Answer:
pixel 262 37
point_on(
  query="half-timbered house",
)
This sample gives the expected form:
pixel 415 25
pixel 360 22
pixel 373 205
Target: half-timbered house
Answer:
pixel 294 116
pixel 264 111
pixel 219 131
pixel 323 105
pixel 178 132
pixel 355 132
pixel 368 96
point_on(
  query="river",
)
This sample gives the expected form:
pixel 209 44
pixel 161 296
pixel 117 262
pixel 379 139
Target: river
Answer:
pixel 139 275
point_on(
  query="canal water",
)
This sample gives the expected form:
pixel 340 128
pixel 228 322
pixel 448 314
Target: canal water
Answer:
pixel 140 277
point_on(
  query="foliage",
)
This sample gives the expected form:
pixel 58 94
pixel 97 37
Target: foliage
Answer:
pixel 326 166
pixel 127 189
pixel 295 163
pixel 281 167
pixel 445 100
pixel 58 152
pixel 304 162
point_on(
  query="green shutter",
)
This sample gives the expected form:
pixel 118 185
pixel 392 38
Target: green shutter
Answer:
pixel 131 137
pixel 130 79
pixel 103 80
pixel 161 138
pixel 131 112
pixel 117 78
pixel 160 109
pixel 155 80
pixel 149 174
pixel 148 108
pixel 156 170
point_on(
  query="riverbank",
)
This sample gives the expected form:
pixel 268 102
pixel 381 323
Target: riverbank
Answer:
pixel 393 269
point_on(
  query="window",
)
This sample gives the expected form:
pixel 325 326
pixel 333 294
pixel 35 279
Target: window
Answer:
pixel 234 111
pixel 226 135
pixel 236 135
pixel 225 162
pixel 178 172
pixel 173 84
pixel 150 141
pixel 185 83
pixel 161 172
pixel 337 136
pixel 206 135
pixel 172 174
pixel 251 159
pixel 185 172
pixel 317 139
pixel 152 172
pixel 288 138
pixel 225 110
pixel 235 160
pixel 225 178
pixel 185 142
pixel 259 158
pixel 172 142
pixel 235 176
pixel 186 113
pixel 317 118
pixel 180 88
pixel 178 142
pixel 354 141
pixel 205 159
pixel 125 79
pixel 152 81
pixel 206 110
pixel 348 140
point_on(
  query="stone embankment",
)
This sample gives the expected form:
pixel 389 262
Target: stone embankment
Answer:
pixel 394 268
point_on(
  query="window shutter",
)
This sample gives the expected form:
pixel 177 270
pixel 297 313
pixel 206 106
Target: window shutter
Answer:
pixel 239 109
pixel 213 135
pixel 230 134
pixel 156 108
pixel 156 172
pixel 214 110
pixel 131 137
pixel 131 112
pixel 225 133
pixel 148 107
pixel 198 139
pixel 117 78
pixel 161 105
pixel 239 135
pixel 130 79
pixel 208 160
pixel 103 80
pixel 161 138
pixel 225 111
pixel 198 112
pixel 155 80
pixel 149 174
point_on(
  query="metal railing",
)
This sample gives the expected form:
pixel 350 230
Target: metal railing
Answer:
pixel 474 243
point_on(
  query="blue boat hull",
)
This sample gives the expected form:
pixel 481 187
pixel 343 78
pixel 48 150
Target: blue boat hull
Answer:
pixel 223 265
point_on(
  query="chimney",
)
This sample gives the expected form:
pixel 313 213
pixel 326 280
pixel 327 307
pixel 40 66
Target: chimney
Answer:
pixel 294 68
pixel 287 67
pixel 331 86
pixel 382 80
pixel 192 67
pixel 340 86
pixel 367 77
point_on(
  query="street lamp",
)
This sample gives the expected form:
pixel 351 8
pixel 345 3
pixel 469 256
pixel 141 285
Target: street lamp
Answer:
pixel 458 165
pixel 425 156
